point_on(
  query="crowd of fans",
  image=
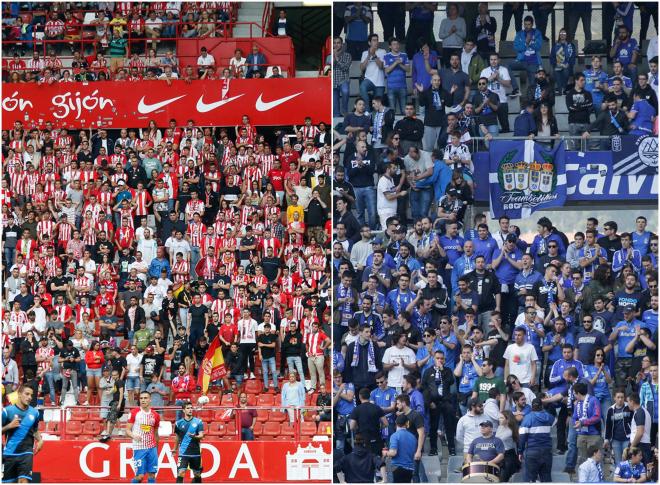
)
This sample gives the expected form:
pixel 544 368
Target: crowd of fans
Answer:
pixel 506 348
pixel 127 252
pixel 464 74
pixel 121 43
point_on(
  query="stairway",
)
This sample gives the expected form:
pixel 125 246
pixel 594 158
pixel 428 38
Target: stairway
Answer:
pixel 249 12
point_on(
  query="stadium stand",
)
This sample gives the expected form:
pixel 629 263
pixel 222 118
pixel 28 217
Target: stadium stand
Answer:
pixel 418 96
pixel 128 251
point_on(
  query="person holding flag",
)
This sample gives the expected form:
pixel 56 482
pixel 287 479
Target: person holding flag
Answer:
pixel 189 431
pixel 212 368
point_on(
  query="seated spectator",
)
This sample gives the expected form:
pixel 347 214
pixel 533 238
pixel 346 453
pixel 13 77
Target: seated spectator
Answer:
pixel 204 61
pixel 153 26
pixel 546 124
pixel 627 83
pixel 625 50
pixel 608 123
pixel 596 83
pixel 255 63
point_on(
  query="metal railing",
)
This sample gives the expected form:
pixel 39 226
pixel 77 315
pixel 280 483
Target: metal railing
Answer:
pixel 230 418
pixel 477 143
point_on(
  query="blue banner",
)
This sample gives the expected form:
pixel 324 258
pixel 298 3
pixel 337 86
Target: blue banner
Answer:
pixel 635 155
pixel 525 176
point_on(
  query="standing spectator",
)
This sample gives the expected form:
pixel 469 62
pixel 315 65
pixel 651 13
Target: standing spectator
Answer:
pixel 562 60
pixel 341 64
pixel 402 449
pixel 486 104
pixel 536 442
pixel 596 83
pixel 498 80
pixel 453 31
pixel 361 172
pixel 455 81
pixel 266 343
pixel 372 67
pixel 511 9
pixel 521 359
pixel 640 427
pixel 247 416
pixel 528 50
pixel 433 99
pixel 586 419
pixel 579 102
pixel 357 18
pixel 360 465
pixel 436 383
pixel 617 426
pixel 396 66
pixel 424 63
pixel 485 28
pixel 293 394
pixel 367 419
pixel 579 11
pixel 625 50
pixel 420 30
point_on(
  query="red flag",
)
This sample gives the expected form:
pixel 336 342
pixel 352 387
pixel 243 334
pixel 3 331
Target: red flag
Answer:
pixel 213 366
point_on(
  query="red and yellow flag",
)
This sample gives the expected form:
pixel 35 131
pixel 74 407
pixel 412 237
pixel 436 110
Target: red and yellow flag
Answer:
pixel 213 365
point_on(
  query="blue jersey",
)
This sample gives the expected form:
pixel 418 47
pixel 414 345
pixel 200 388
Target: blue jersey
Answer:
pixel 591 78
pixel 556 353
pixel 650 321
pixel 186 430
pixel 505 271
pixel 485 247
pixel 601 390
pixel 628 470
pixel 643 121
pixel 406 445
pixel 451 247
pixel 396 79
pixel 468 378
pixel 384 399
pixel 20 440
pixel 641 241
pixel 398 300
pixel 627 82
pixel 625 52
pixel 625 336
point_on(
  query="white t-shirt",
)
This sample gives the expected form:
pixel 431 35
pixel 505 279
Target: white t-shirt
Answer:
pixel 374 73
pixel 247 330
pixel 496 86
pixel 395 374
pixel 386 185
pixel 207 60
pixel 520 361
pixel 133 364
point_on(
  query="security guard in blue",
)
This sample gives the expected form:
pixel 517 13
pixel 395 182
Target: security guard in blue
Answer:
pixel 189 431
pixel 20 426
pixel 535 444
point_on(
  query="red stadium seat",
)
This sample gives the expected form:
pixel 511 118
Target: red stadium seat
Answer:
pixel 307 429
pixel 42 426
pixel 253 386
pixel 265 400
pixel 229 400
pixel 325 428
pixel 169 414
pixel 230 431
pixel 95 414
pixel 258 430
pixel 205 414
pixel 223 415
pixel 214 399
pixel 216 429
pixel 52 427
pixel 79 414
pixel 252 400
pixel 73 428
pixel 288 431
pixel 271 430
pixel 91 427
pixel 277 416
pixel 262 415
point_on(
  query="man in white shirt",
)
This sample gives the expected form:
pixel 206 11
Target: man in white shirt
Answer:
pixel 498 79
pixel 372 66
pixel 204 60
pixel 591 471
pixel 398 361
pixel 147 246
pixel 520 359
pixel 155 290
pixel 140 266
pixel 387 194
pixel 176 245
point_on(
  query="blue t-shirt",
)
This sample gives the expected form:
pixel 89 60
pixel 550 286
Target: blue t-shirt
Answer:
pixel 384 399
pixel 644 119
pixel 650 321
pixel 591 77
pixel 627 82
pixel 20 440
pixel 185 430
pixel 406 445
pixel 345 407
pixel 486 448
pixel 451 245
pixel 641 242
pixel 396 79
pixel 422 352
pixel 356 30
pixel 450 354
pixel 625 51
pixel 468 378
pixel 625 336
pixel 556 353
pixel 628 470
pixel 601 390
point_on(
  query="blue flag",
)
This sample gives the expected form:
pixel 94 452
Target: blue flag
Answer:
pixel 634 155
pixel 525 176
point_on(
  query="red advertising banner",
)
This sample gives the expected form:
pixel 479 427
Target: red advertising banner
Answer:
pixel 223 461
pixel 126 105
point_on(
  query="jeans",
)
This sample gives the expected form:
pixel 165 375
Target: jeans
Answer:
pixel 73 380
pixel 419 475
pixel 617 449
pixel 571 454
pixel 397 97
pixel 365 199
pixel 247 434
pixel 420 203
pixel 524 66
pixel 576 129
pixel 430 140
pixel 562 76
pixel 50 378
pixel 295 363
pixel 605 404
pixel 340 99
pixel 267 364
pixel 10 256
pixel 538 463
pixel 366 86
pixel 195 256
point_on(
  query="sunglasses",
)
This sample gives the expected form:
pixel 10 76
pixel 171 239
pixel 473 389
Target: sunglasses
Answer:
pixel 482 84
pixel 380 382
pixel 587 321
pixel 428 335
pixel 552 245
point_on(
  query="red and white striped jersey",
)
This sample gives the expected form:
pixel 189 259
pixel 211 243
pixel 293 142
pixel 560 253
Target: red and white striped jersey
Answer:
pixel 272 242
pixel 194 206
pixel 31 181
pixel 128 215
pixel 88 232
pixel 195 232
pixel 208 241
pixel 314 341
pixel 105 199
pixel 64 232
pixel 144 427
pixel 317 260
pixel 105 226
pixel 260 280
pixel 64 312
pixel 309 131
pixel 48 180
pixel 82 285
pixel 240 302
pixel 46 228
pixel 207 267
pixel 116 158
pixel 181 271
pixel 17 181
pixel 270 210
pixel 266 162
pixel 125 237
pixel 53 28
pixel 50 266
pixel 298 307
pixel 215 186
pixel 95 209
pixel 141 199
pixel 40 198
pixel 246 213
pixel 35 64
pixel 252 174
pixel 16 322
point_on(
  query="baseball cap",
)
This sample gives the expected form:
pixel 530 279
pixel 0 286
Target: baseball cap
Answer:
pixel 452 192
pixel 150 348
pixel 511 238
pixel 377 240
pixel 486 423
pixel 628 308
pixel 472 402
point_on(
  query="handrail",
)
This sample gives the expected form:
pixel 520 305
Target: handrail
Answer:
pixel 267 17
pixel 562 138
pixel 298 414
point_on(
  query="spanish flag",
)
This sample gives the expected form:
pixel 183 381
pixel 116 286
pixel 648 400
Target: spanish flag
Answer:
pixel 213 366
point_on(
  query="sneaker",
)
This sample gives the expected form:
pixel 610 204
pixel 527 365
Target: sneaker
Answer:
pixel 452 452
pixel 433 453
pixel 252 375
pixel 514 93
pixel 104 437
pixel 561 452
pixel 570 471
pixel 311 391
pixel 276 389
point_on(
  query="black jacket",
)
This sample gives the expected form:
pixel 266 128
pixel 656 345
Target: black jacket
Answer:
pixel 579 106
pixel 432 116
pixel 388 123
pixel 489 288
pixel 429 388
pixel 293 345
pixel 410 129
pixel 96 146
pixel 139 317
pixel 604 124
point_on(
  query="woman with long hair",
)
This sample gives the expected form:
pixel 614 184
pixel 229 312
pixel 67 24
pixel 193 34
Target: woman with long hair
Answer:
pixel 600 378
pixel 562 59
pixel 513 385
pixel 546 124
pixel 507 431
pixel 94 360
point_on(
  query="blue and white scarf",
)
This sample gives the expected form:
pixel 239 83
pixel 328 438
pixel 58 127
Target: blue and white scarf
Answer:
pixel 371 356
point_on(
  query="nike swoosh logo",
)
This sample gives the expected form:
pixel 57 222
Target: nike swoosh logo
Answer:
pixel 262 106
pixel 145 108
pixel 203 107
